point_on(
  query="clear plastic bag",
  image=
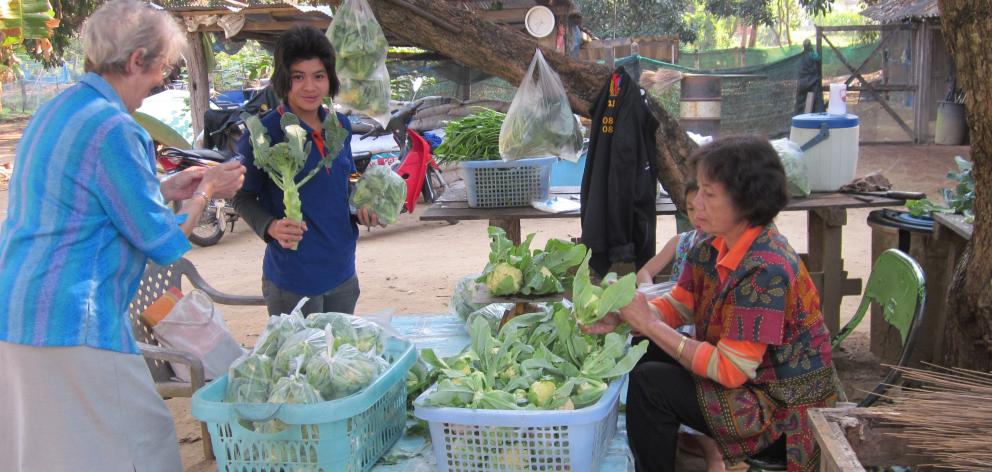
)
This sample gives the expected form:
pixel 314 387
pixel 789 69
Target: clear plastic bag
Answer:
pixel 344 372
pixel 652 291
pixel 360 49
pixel 791 155
pixel 278 329
pixel 249 379
pixel 539 121
pixel 195 326
pixel 382 191
pixel 297 351
pixel 492 313
pixel 461 299
pixel 292 389
pixel 364 334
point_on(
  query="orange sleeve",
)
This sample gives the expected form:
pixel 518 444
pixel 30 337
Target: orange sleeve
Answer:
pixel 675 307
pixel 730 362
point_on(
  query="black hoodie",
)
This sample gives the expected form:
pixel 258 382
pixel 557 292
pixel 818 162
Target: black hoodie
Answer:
pixel 619 183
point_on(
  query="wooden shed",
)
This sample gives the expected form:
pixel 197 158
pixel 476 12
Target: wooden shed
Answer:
pixel 933 68
pixel 265 20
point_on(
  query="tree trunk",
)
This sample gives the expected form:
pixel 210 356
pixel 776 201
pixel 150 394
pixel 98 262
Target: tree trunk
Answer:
pixel 199 80
pixel 751 43
pixel 504 52
pixel 788 36
pixel 968 333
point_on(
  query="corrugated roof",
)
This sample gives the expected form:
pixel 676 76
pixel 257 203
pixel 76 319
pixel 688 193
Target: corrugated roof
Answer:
pixel 888 11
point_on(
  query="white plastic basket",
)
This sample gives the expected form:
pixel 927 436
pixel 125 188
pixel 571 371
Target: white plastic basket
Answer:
pixel 471 440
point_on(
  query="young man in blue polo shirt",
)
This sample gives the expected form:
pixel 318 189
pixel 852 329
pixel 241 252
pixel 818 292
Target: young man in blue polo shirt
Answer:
pixel 322 267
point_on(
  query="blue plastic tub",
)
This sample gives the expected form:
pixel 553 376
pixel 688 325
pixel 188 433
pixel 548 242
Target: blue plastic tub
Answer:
pixel 499 184
pixel 472 440
pixel 568 174
pixel 348 434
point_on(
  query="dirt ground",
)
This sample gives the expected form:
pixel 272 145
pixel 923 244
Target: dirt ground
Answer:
pixel 411 267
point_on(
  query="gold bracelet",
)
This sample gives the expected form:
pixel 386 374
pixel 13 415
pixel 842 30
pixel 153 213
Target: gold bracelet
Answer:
pixel 678 351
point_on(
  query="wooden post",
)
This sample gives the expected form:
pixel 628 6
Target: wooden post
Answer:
pixel 199 82
pixel 922 68
pixel 511 226
pixel 824 235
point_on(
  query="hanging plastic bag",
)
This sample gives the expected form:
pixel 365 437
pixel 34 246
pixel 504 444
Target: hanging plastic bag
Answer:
pixel 539 121
pixel 791 155
pixel 382 191
pixel 195 326
pixel 360 48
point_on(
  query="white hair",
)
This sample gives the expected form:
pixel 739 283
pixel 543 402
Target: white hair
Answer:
pixel 120 27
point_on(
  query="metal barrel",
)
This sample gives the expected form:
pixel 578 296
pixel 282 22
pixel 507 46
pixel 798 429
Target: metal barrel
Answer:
pixel 700 104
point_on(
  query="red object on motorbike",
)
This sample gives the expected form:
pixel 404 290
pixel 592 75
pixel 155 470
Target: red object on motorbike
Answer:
pixel 414 167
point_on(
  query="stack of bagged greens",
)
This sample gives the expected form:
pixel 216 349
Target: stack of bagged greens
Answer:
pixel 304 361
pixel 516 270
pixel 382 191
pixel 360 48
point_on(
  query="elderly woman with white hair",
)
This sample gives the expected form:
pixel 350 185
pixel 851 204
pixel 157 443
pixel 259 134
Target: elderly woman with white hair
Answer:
pixel 86 213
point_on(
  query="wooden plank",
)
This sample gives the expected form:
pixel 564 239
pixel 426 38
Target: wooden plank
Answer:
pixel 825 238
pixel 270 26
pixel 921 68
pixel 886 88
pixel 954 223
pixel 863 28
pixel 836 455
pixel 885 39
pixel 881 100
pixel 199 82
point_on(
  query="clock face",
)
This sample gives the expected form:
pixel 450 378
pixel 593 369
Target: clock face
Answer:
pixel 540 21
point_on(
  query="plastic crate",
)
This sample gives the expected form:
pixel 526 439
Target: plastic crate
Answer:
pixel 499 184
pixel 346 434
pixel 470 440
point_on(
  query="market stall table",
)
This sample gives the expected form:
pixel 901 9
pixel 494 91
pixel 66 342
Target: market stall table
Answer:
pixel 827 215
pixel 446 335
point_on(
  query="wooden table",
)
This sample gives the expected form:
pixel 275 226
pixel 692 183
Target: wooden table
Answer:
pixel 827 215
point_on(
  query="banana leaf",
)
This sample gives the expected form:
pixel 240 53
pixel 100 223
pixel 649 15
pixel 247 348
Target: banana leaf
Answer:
pixel 161 132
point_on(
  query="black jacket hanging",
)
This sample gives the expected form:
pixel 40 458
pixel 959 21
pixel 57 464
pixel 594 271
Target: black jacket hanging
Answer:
pixel 619 185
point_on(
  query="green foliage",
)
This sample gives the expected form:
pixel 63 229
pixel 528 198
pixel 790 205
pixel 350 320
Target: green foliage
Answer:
pixel 473 138
pixel 960 199
pixel 626 18
pixel 535 361
pixel 249 64
pixel 516 269
pixel 592 301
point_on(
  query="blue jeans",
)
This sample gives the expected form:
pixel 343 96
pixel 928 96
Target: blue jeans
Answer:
pixel 340 299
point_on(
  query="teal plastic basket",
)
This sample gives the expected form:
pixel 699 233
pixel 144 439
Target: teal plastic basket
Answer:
pixel 345 435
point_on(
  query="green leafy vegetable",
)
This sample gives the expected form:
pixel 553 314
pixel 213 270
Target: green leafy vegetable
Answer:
pixel 472 138
pixel 593 302
pixel 360 47
pixel 516 269
pixel 283 161
pixel 382 191
pixel 960 199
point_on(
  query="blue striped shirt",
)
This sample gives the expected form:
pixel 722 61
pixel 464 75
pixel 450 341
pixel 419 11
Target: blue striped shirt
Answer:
pixel 85 214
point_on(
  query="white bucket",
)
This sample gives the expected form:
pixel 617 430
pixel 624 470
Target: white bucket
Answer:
pixel 832 162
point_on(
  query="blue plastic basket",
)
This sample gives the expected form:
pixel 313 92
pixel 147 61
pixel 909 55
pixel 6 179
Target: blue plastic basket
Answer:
pixel 344 435
pixel 499 184
pixel 471 440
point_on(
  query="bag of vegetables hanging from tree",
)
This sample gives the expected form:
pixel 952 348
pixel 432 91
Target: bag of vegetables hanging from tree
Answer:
pixel 360 48
pixel 539 121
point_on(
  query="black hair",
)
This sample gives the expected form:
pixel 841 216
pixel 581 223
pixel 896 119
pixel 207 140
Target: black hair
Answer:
pixel 301 43
pixel 690 186
pixel 749 168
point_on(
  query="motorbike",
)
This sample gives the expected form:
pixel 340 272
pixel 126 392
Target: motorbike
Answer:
pixel 219 215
